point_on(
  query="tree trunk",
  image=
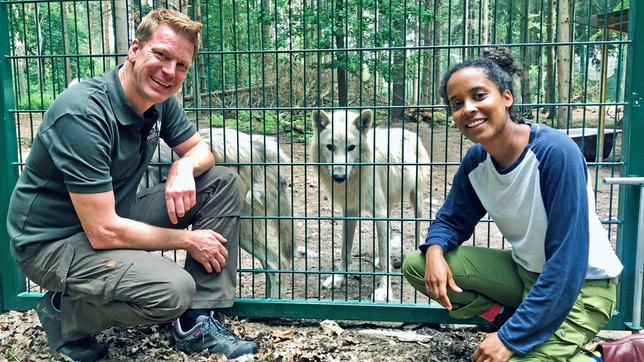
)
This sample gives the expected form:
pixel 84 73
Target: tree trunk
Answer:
pixel 563 61
pixel 41 40
pixel 107 30
pixel 269 60
pixel 342 58
pixel 201 69
pixel 68 65
pixel 526 92
pixel 399 67
pixel 427 79
pixel 121 40
pixel 550 61
pixel 472 21
pixel 438 38
pixel 21 75
pixel 485 38
pixel 267 30
pixel 427 76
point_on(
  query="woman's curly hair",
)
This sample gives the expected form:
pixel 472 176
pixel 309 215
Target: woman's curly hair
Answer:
pixel 500 67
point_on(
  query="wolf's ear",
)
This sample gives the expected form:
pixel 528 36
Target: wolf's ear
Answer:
pixel 320 119
pixel 364 120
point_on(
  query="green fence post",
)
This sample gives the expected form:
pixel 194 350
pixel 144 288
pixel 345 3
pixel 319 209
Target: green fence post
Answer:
pixel 633 158
pixel 11 280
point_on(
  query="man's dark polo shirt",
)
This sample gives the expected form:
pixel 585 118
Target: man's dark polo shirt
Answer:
pixel 90 141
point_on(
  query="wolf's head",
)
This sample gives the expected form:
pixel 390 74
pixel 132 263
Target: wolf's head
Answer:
pixel 340 138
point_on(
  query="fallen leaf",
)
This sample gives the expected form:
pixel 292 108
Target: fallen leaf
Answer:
pixel 283 334
pixel 330 328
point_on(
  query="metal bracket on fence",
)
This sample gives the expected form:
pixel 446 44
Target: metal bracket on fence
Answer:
pixel 639 253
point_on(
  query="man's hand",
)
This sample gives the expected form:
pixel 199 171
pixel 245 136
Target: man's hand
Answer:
pixel 180 189
pixel 207 247
pixel 438 276
pixel 492 350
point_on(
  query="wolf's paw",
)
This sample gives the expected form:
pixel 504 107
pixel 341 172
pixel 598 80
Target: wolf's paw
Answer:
pixel 334 281
pixel 383 294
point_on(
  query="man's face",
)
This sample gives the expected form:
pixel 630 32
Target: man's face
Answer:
pixel 160 66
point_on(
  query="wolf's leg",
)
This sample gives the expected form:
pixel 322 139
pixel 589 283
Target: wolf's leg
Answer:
pixel 348 230
pixel 253 241
pixel 418 202
pixel 383 292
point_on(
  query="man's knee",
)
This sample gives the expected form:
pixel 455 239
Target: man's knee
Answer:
pixel 181 289
pixel 233 183
pixel 167 300
pixel 224 178
pixel 220 189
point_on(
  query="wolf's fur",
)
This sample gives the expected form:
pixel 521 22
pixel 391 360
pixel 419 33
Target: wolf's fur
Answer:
pixel 265 190
pixel 344 139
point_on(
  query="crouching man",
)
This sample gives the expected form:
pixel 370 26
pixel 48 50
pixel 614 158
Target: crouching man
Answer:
pixel 79 229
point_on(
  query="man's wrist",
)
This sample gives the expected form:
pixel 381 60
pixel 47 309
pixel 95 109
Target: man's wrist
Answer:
pixel 186 164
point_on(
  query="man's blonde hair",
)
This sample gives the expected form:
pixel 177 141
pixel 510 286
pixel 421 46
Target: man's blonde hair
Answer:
pixel 181 23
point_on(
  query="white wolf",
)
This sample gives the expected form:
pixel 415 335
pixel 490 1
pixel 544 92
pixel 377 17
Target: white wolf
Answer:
pixel 265 189
pixel 347 142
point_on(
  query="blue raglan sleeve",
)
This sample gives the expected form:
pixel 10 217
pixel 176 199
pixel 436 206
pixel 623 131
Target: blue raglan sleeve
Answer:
pixel 563 185
pixel 461 211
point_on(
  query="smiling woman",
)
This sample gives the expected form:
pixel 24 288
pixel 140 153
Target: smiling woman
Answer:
pixel 480 110
pixel 533 182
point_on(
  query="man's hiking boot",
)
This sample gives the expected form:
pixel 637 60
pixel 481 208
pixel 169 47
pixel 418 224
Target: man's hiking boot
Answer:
pixel 208 333
pixel 85 349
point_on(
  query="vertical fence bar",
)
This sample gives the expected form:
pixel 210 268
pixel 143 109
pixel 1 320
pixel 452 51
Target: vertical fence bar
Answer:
pixel 632 152
pixel 11 279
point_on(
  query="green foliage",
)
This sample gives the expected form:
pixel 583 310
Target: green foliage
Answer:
pixel 35 100
pixel 264 122
pixel 245 56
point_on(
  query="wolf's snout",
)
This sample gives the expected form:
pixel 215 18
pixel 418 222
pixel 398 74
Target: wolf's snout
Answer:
pixel 339 178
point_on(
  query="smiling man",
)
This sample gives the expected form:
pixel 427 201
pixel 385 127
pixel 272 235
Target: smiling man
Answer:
pixel 79 229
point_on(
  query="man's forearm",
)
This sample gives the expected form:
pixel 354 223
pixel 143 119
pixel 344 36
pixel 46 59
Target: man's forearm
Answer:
pixel 125 233
pixel 200 158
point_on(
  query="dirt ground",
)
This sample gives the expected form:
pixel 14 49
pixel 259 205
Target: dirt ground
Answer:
pixel 22 339
pixel 317 244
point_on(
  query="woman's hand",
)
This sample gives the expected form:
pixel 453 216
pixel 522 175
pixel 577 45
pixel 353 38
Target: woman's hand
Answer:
pixel 438 276
pixel 492 350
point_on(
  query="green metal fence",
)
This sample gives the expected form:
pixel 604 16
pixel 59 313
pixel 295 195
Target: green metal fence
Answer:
pixel 265 66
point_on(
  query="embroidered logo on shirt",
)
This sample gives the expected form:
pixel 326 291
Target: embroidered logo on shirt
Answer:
pixel 153 136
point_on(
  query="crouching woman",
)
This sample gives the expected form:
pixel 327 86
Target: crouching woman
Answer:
pixel 556 287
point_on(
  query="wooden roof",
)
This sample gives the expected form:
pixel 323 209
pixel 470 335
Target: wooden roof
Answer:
pixel 616 21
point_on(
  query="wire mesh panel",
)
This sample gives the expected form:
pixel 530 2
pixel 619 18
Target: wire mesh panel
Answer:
pixel 314 97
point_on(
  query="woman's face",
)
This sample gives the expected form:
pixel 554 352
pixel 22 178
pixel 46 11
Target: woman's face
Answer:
pixel 478 108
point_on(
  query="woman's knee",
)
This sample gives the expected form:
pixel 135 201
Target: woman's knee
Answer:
pixel 413 267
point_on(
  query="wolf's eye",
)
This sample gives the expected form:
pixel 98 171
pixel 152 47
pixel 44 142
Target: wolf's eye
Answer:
pixel 351 148
pixel 330 147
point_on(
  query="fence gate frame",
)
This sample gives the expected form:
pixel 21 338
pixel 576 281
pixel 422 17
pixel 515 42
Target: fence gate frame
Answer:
pixel 13 295
pixel 632 166
pixel 11 280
